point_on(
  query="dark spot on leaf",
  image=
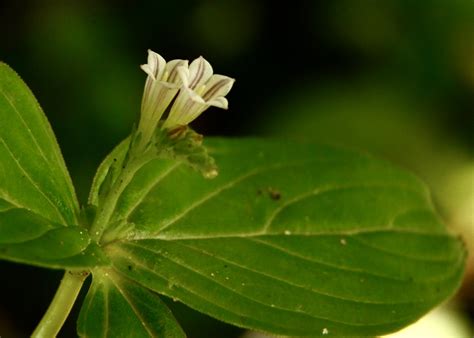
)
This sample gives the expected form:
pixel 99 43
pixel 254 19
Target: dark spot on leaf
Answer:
pixel 115 160
pixel 129 268
pixel 274 194
pixel 225 265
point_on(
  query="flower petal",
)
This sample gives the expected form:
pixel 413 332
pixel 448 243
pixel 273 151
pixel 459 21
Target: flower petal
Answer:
pixel 187 107
pixel 199 72
pixel 218 85
pixel 183 73
pixel 173 71
pixel 219 102
pixel 163 95
pixel 155 66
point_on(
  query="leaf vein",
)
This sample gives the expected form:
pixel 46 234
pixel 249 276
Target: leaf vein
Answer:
pixel 143 235
pixel 321 191
pixel 224 187
pixel 32 181
pixel 340 267
pixel 400 254
pixel 6 197
pixel 355 300
pixel 262 274
pixel 150 188
pixel 204 300
pixel 132 306
pixel 136 262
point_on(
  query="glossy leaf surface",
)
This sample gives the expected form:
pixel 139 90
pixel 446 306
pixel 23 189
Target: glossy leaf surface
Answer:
pixel 291 239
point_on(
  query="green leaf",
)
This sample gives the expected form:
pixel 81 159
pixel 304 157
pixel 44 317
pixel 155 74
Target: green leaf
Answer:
pixel 290 239
pixel 33 175
pixel 26 237
pixel 117 307
pixel 38 206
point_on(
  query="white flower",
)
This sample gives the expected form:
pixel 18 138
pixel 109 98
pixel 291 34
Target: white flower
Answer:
pixel 200 90
pixel 162 85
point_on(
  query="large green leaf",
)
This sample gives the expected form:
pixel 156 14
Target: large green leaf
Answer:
pixel 33 175
pixel 291 239
pixel 38 206
pixel 117 307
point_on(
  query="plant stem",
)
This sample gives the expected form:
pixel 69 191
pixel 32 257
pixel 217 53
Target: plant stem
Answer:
pixel 106 210
pixel 61 305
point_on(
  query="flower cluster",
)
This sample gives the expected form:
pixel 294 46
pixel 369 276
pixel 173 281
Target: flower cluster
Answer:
pixel 193 87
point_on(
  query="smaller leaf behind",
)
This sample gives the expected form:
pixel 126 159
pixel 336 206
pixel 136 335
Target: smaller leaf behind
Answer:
pixel 117 307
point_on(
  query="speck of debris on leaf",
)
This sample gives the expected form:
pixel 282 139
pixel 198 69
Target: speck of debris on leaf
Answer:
pixel 273 193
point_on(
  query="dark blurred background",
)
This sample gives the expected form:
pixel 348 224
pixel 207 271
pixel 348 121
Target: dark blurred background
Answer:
pixel 394 78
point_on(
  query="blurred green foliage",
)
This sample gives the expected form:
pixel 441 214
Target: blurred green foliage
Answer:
pixel 394 77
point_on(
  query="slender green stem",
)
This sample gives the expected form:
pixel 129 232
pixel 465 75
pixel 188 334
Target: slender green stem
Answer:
pixel 61 305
